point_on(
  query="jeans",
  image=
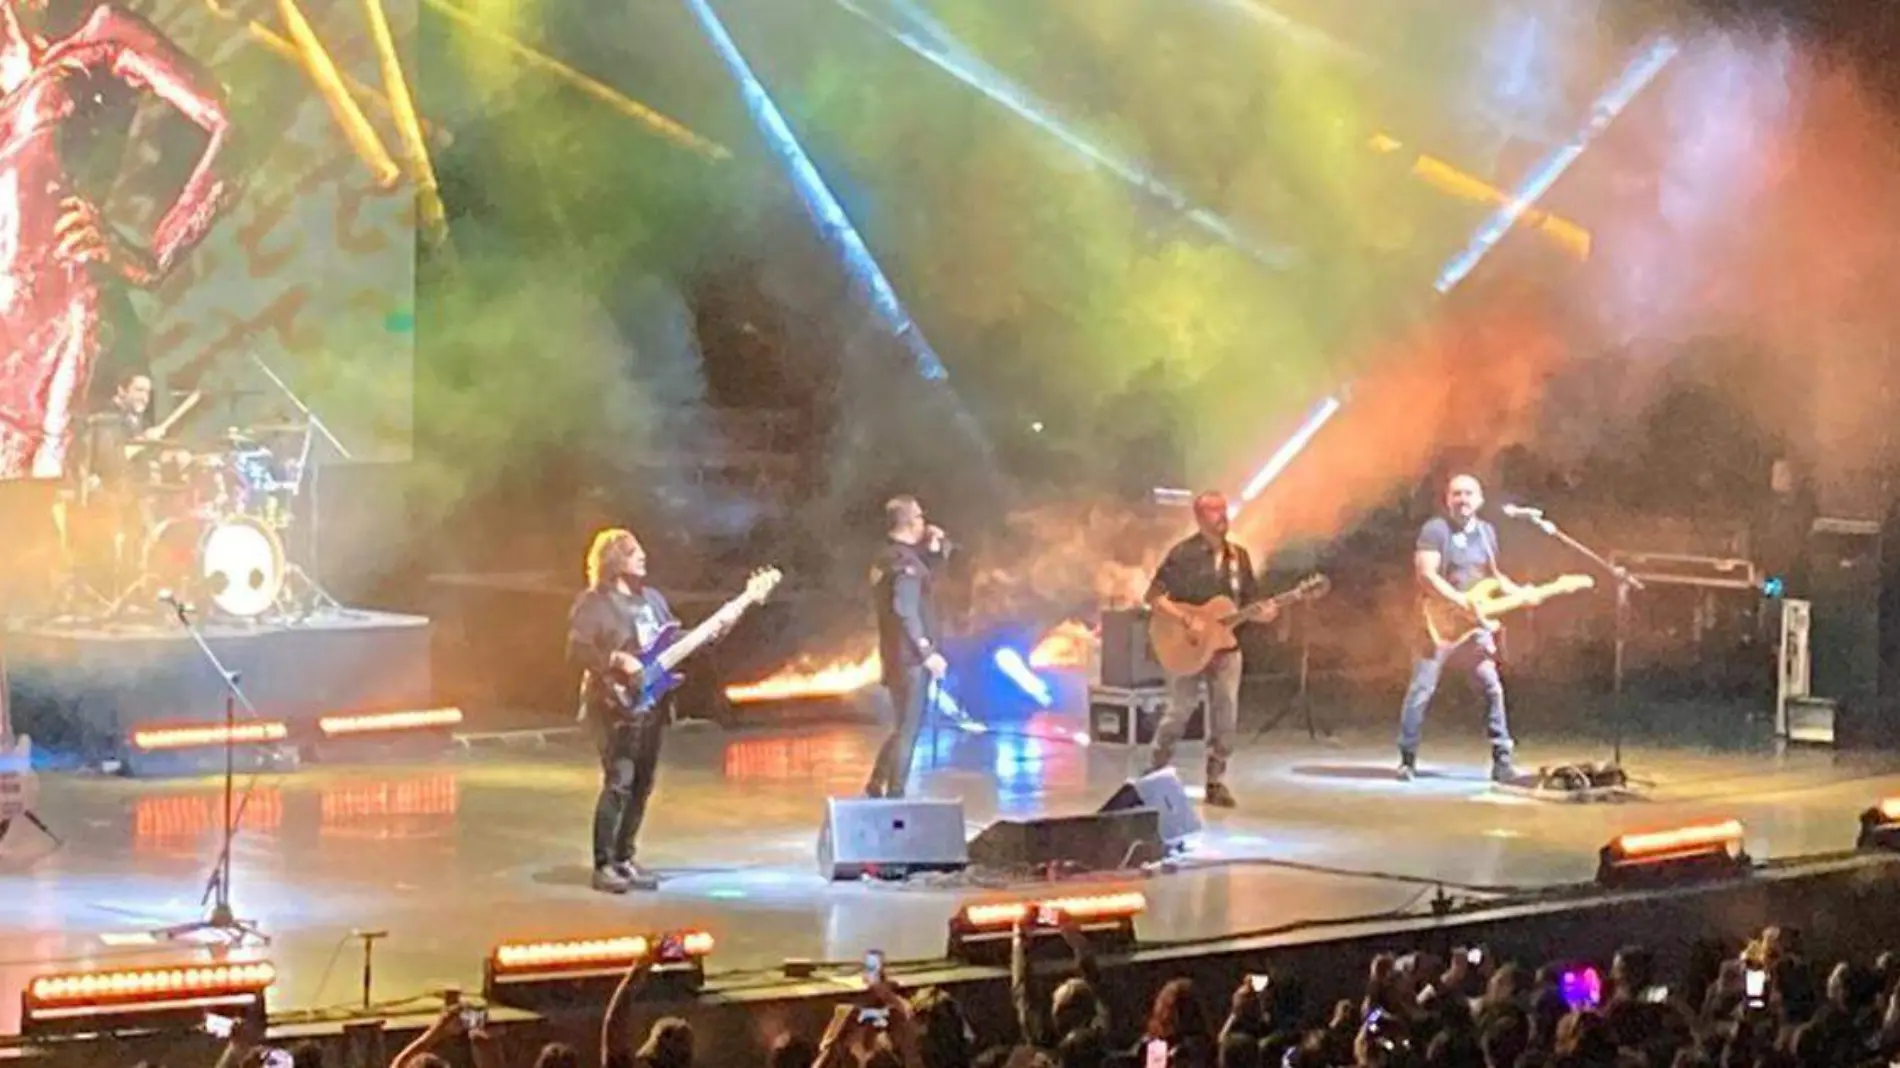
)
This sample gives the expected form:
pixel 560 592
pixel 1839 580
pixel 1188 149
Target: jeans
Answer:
pixel 1222 679
pixel 1477 657
pixel 909 689
pixel 629 758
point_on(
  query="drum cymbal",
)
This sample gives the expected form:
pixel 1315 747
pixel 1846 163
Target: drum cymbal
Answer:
pixel 277 428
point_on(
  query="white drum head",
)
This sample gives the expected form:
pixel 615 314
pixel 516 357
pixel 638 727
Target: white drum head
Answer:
pixel 242 567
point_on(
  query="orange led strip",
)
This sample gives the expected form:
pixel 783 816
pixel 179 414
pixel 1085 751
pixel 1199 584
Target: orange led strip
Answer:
pixel 530 956
pixel 170 983
pixel 1098 907
pixel 193 737
pixel 1681 839
pixel 390 721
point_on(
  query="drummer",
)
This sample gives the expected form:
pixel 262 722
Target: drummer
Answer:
pixel 113 431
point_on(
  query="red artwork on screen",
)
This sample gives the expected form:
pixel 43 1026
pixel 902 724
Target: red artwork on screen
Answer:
pixel 54 251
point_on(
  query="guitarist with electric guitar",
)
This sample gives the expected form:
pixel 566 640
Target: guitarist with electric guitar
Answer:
pixel 627 642
pixel 1462 593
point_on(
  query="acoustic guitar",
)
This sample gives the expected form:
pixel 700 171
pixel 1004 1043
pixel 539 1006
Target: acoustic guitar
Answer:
pixel 1449 625
pixel 19 789
pixel 1180 652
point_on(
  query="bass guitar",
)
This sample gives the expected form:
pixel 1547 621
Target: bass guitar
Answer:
pixel 1181 652
pixel 1448 625
pixel 657 677
pixel 19 789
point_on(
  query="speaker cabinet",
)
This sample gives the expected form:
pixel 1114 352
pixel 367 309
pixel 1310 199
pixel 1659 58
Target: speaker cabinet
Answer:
pixel 1104 841
pixel 1128 659
pixel 865 836
pixel 1844 632
pixel 1161 791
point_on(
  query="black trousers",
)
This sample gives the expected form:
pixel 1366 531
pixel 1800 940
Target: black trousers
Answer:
pixel 629 760
pixel 909 689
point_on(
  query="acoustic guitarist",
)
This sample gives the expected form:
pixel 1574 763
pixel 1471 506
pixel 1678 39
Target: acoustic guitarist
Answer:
pixel 1198 569
pixel 1454 553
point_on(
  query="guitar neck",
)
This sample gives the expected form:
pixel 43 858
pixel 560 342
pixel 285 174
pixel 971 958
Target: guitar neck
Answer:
pixel 708 629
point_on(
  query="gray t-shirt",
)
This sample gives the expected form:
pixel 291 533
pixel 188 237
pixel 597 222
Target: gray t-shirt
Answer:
pixel 1465 556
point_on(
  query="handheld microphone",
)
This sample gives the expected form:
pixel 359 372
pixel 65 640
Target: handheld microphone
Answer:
pixel 1516 511
pixel 940 541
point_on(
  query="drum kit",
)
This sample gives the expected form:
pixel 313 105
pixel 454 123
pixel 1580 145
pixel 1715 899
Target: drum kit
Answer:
pixel 207 526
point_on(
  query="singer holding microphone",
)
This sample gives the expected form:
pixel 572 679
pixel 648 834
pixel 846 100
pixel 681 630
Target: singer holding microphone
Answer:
pixel 907 634
pixel 1454 552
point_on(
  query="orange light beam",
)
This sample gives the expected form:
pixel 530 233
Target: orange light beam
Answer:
pixel 343 107
pixel 1448 179
pixel 666 127
pixel 435 221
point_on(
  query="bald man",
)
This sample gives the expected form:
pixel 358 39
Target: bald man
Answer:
pixel 1203 566
pixel 1455 551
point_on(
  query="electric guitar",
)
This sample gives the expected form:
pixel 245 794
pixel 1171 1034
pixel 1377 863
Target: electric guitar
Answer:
pixel 1449 625
pixel 19 789
pixel 656 677
pixel 1180 652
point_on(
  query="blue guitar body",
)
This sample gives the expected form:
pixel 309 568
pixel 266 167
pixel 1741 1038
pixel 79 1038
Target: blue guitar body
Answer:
pixel 655 680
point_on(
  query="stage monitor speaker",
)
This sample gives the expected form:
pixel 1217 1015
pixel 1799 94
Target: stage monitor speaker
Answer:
pixel 1163 792
pixel 1844 632
pixel 1128 659
pixel 865 836
pixel 1105 841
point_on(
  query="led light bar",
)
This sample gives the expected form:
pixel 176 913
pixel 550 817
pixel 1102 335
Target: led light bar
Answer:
pixel 519 973
pixel 1880 826
pixel 377 722
pixel 1702 851
pixel 198 736
pixel 981 933
pixel 172 996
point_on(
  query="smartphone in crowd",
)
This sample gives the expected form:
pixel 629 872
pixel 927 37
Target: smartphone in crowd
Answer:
pixel 1755 986
pixel 876 1017
pixel 219 1026
pixel 1259 983
pixel 1474 956
pixel 873 966
pixel 474 1019
pixel 1582 988
pixel 277 1058
pixel 1157 1054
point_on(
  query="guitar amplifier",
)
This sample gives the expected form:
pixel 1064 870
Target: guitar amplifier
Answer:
pixel 1128 659
pixel 1129 715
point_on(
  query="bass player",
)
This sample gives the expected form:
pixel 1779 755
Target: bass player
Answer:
pixel 1196 570
pixel 618 611
pixel 1455 552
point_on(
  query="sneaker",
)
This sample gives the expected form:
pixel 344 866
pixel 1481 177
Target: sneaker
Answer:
pixel 608 880
pixel 636 877
pixel 1220 796
pixel 1502 770
pixel 1408 767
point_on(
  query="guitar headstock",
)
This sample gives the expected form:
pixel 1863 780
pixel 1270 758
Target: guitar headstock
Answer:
pixel 1312 588
pixel 762 583
pixel 1571 584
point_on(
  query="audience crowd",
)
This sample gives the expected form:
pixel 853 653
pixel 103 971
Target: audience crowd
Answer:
pixel 1765 1005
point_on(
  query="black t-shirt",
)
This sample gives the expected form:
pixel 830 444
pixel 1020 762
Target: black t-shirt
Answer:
pixel 1194 572
pixel 1464 556
pixel 605 621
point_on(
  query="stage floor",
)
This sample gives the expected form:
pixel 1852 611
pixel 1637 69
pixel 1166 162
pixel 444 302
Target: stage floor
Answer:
pixel 491 844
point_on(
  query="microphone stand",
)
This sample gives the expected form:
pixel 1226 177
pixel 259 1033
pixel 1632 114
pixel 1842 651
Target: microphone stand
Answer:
pixel 1625 582
pixel 221 919
pixel 311 470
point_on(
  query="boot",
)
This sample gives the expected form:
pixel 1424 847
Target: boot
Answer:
pixel 1502 770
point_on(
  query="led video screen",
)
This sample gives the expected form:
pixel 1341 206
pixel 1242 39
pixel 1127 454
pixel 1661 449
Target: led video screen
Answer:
pixel 207 230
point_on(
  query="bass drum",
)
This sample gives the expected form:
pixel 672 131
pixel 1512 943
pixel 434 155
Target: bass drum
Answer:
pixel 236 563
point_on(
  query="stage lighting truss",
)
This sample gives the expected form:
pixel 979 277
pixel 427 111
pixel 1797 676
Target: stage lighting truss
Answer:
pixel 526 973
pixel 981 933
pixel 1683 854
pixel 1880 826
pixel 172 997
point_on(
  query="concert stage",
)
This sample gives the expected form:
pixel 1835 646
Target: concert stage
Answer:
pixel 81 691
pixel 491 844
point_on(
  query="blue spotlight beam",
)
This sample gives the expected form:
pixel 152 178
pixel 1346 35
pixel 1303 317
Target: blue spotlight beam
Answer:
pixel 1290 449
pixel 1641 71
pixel 826 211
pixel 937 46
